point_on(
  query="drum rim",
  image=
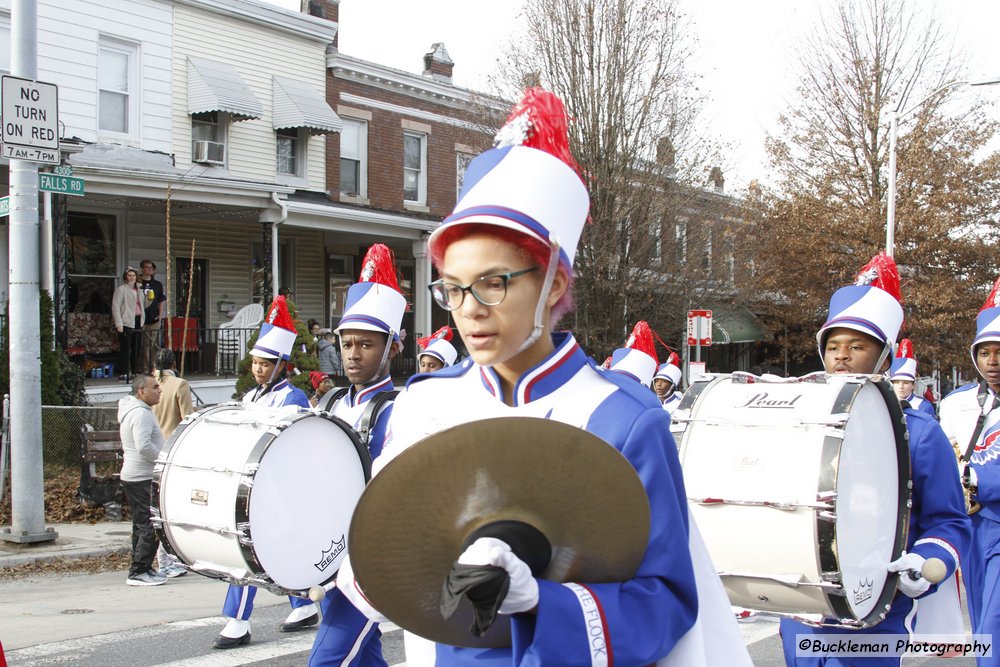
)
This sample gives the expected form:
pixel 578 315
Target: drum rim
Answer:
pixel 244 491
pixel 845 398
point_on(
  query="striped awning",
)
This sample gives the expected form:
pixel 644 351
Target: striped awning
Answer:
pixel 297 104
pixel 215 86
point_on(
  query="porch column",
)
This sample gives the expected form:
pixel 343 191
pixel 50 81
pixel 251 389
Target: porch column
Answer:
pixel 421 297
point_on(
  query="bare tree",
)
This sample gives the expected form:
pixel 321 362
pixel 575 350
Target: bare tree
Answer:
pixel 622 69
pixel 826 217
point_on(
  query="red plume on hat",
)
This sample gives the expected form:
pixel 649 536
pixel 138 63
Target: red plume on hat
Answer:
pixel 641 339
pixel 444 333
pixel 881 272
pixel 993 300
pixel 607 363
pixel 674 360
pixel 905 350
pixel 278 314
pixel 538 121
pixel 379 266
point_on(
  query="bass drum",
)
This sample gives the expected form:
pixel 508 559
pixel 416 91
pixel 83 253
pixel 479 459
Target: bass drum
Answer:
pixel 801 490
pixel 260 496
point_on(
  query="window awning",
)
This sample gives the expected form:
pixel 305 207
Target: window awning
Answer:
pixel 215 86
pixel 297 104
pixel 734 324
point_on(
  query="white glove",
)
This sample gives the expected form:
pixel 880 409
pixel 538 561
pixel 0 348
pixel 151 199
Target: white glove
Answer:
pixel 904 565
pixel 523 592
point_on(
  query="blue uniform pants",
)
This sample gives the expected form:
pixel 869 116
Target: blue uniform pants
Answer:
pixel 345 636
pixel 981 570
pixel 239 602
pixel 897 623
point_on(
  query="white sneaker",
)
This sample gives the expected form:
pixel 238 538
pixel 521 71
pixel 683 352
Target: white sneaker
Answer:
pixel 145 579
pixel 172 571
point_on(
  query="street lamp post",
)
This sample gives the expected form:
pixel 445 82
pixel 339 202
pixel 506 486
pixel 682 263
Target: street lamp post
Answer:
pixel 894 117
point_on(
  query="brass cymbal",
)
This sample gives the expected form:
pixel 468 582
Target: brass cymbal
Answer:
pixel 416 516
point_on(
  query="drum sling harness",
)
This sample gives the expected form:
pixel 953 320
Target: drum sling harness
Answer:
pixel 376 404
pixel 975 506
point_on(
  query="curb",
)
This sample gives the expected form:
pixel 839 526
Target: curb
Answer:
pixel 74 554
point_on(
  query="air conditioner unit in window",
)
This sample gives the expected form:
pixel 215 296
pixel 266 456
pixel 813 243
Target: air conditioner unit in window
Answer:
pixel 209 152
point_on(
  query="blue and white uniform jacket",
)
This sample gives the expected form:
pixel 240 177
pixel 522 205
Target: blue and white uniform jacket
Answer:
pixel 672 401
pixel 635 622
pixel 959 412
pixel 921 405
pixel 351 408
pixel 282 393
pixel 961 409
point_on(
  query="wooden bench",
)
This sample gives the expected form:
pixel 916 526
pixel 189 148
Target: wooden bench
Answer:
pixel 101 449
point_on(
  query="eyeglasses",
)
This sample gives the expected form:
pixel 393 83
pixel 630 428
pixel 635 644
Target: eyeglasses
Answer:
pixel 488 290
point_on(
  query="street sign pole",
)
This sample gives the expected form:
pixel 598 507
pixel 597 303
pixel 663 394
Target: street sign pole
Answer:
pixel 27 480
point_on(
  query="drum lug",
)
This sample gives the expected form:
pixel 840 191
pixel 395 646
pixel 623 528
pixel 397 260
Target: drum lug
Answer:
pixel 831 577
pixel 243 530
pixel 825 515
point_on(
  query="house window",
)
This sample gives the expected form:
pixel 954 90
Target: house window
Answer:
pixel 680 241
pixel 462 161
pixel 116 74
pixel 414 167
pixel 706 259
pixel 208 137
pixel 354 158
pixel 656 242
pixel 289 144
pixel 91 264
pixel 5 43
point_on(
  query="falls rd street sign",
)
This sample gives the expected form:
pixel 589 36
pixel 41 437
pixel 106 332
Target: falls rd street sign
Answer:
pixel 30 119
pixel 64 185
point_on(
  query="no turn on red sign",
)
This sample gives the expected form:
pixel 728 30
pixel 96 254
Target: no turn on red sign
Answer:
pixel 699 327
pixel 30 127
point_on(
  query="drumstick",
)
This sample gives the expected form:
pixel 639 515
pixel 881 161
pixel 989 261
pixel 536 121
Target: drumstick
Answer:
pixel 933 570
pixel 317 593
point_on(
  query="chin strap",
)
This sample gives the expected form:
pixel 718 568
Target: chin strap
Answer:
pixel 385 355
pixel 881 360
pixel 550 275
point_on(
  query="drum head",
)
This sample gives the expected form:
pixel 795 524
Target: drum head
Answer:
pixel 309 480
pixel 871 501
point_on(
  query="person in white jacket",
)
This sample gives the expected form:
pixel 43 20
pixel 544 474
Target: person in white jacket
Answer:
pixel 141 443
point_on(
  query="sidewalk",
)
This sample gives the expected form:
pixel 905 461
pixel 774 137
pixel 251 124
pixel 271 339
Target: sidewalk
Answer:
pixel 75 540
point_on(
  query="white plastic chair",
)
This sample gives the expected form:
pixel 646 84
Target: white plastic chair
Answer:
pixel 231 343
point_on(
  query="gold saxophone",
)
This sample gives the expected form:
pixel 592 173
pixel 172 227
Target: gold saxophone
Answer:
pixel 971 505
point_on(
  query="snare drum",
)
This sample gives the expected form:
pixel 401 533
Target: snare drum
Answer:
pixel 801 489
pixel 260 496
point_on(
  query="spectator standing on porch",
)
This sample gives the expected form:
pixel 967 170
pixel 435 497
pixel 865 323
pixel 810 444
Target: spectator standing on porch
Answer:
pixel 129 317
pixel 155 301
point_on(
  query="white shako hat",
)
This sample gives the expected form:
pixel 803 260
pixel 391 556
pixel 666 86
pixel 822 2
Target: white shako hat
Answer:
pixel 529 182
pixel 638 358
pixel 871 305
pixel 670 370
pixel 277 333
pixel 988 321
pixel 374 303
pixel 438 346
pixel 904 365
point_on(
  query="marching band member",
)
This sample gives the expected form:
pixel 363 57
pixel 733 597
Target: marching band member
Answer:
pixel 665 383
pixel 269 358
pixel 369 340
pixel 970 416
pixel 438 352
pixel 863 322
pixel 637 359
pixel 903 374
pixel 505 259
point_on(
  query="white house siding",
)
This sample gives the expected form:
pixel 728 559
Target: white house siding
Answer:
pixel 68 40
pixel 257 53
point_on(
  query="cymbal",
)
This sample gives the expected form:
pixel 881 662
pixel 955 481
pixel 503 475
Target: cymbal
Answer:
pixel 416 516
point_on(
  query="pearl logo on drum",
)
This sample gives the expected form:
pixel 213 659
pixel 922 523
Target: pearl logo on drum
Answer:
pixel 761 400
pixel 863 591
pixel 330 555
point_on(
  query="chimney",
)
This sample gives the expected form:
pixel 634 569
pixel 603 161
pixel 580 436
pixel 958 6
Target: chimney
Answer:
pixel 323 9
pixel 665 153
pixel 717 180
pixel 438 64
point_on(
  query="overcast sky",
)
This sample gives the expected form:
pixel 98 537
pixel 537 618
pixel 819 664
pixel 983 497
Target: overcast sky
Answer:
pixel 743 52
